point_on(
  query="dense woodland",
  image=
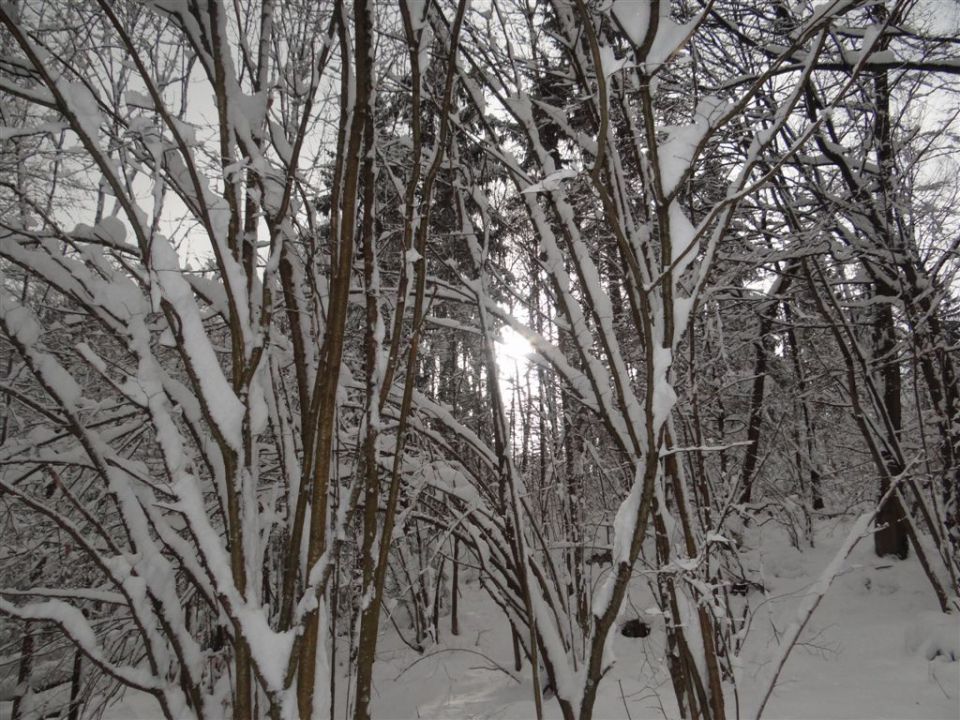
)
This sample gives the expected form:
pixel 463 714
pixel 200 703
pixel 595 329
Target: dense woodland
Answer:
pixel 309 310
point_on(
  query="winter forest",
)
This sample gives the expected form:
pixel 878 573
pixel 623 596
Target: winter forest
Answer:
pixel 497 359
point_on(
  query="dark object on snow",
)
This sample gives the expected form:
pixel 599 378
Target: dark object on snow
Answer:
pixel 742 587
pixel 635 628
pixel 891 537
pixel 605 557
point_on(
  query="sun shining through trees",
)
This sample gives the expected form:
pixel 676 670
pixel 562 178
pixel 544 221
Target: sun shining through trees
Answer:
pixel 272 445
pixel 513 351
pixel 519 386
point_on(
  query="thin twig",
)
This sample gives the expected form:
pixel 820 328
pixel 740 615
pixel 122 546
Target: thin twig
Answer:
pixel 495 664
pixel 624 699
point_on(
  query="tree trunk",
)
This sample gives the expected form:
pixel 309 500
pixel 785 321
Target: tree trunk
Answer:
pixel 24 671
pixel 891 538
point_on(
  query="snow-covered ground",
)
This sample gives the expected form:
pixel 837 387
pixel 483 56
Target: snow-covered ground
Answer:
pixel 863 655
pixel 877 647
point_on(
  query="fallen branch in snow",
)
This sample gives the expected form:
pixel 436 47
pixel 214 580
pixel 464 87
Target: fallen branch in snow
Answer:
pixel 810 603
pixel 495 665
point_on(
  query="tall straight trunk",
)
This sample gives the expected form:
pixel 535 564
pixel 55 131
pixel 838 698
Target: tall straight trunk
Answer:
pixel 351 152
pixel 891 538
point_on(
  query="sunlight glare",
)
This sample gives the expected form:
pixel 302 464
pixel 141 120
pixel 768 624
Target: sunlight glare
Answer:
pixel 513 350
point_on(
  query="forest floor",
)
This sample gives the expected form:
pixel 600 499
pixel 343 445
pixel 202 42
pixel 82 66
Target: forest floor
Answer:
pixel 863 655
pixel 870 650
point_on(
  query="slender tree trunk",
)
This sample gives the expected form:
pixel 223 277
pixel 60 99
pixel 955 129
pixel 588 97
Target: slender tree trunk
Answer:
pixel 24 671
pixel 455 590
pixel 73 709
